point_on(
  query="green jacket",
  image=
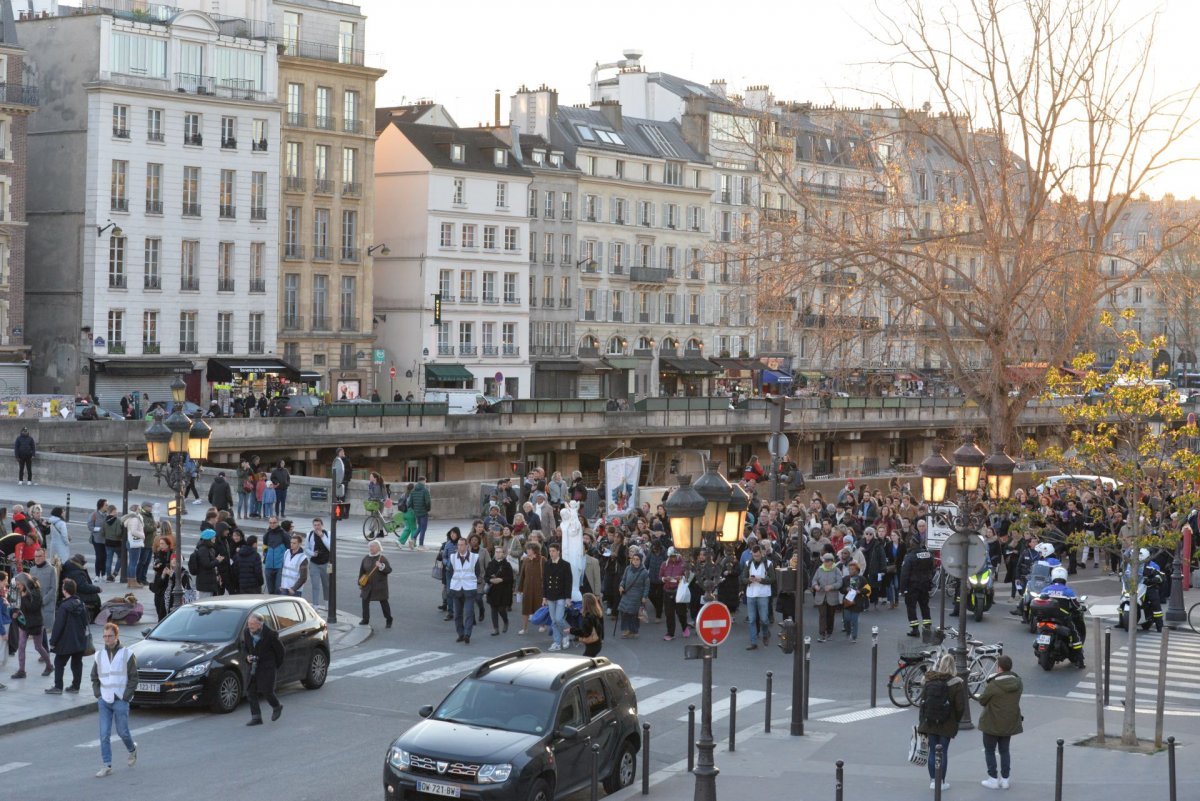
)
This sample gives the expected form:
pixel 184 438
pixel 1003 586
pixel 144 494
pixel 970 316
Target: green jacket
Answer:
pixel 958 695
pixel 419 500
pixel 1001 702
pixel 114 530
pixel 149 526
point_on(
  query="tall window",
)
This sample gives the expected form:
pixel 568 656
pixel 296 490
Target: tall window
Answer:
pixel 154 204
pixel 291 32
pixel 445 283
pixel 349 303
pixel 510 239
pixel 321 169
pixel 324 109
pixel 292 249
pixel 346 51
pixel 120 121
pixel 225 267
pixel 153 262
pixel 501 195
pixel 508 338
pixel 154 124
pixel 116 262
pixel 191 191
pixel 133 54
pixel 489 237
pixel 258 132
pixel 350 121
pixel 258 255
pixel 229 132
pixel 443 340
pixel 150 332
pixel 459 192
pixel 350 172
pixel 466 286
pixel 510 288
pixel 320 302
pixel 295 104
pixel 189 265
pixel 566 205
pixel 192 129
pixel 489 287
pixel 291 300
pixel 466 339
pixel 321 234
pixel 116 331
pixel 224 332
pixel 187 332
pixel 468 235
pixel 349 235
pixel 118 197
pixel 258 196
pixel 228 193
pixel 255 332
pixel 533 203
pixel 292 160
pixel 549 204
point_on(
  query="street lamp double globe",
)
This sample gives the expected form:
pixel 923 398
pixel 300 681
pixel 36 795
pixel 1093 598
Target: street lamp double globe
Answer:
pixel 168 442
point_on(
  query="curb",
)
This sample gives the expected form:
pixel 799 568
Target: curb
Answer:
pixel 49 717
pixel 355 635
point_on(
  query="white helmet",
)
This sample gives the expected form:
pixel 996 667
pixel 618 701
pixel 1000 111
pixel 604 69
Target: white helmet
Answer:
pixel 1144 555
pixel 1058 573
pixel 1046 550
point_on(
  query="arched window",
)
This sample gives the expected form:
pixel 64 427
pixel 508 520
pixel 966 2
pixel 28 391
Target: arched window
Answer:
pixel 616 345
pixel 589 342
pixel 670 345
pixel 695 344
pixel 644 343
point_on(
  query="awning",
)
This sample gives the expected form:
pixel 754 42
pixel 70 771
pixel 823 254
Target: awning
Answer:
pixel 310 377
pixel 559 365
pixel 222 370
pixel 594 366
pixel 140 367
pixel 776 377
pixel 688 365
pixel 448 372
pixel 623 362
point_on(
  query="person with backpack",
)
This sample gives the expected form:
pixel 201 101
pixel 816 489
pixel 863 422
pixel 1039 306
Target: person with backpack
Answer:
pixel 316 546
pixel 943 698
pixel 1000 720
pixel 202 564
pixel 114 538
pixel 407 533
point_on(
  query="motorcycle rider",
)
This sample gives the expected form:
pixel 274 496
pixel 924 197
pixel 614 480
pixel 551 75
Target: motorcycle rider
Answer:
pixel 1152 577
pixel 916 577
pixel 1070 611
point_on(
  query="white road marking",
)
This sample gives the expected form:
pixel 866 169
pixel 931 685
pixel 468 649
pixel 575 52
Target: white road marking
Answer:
pixel 746 698
pixel 1119 689
pixel 862 714
pixel 17 765
pixel 397 664
pixel 366 656
pixel 639 682
pixel 441 672
pixel 663 700
pixel 143 730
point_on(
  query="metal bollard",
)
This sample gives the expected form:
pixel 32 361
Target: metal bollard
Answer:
pixel 67 509
pixel 1107 660
pixel 837 787
pixel 691 737
pixel 595 771
pixel 733 718
pixel 937 773
pixel 807 672
pixel 645 759
pixel 1171 768
pixel 1058 772
pixel 874 665
pixel 767 722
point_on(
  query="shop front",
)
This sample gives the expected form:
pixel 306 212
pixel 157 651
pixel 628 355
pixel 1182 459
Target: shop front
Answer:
pixel 686 376
pixel 231 378
pixel 775 375
pixel 738 377
pixel 556 378
pixel 623 381
pixel 448 376
pixel 110 379
pixel 594 377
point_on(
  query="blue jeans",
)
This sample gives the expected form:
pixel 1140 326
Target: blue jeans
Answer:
pixel 758 609
pixel 558 619
pixel 133 556
pixel 144 565
pixel 118 712
pixel 934 741
pixel 112 559
pixel 464 611
pixel 850 622
pixel 243 507
pixel 281 501
pixel 422 525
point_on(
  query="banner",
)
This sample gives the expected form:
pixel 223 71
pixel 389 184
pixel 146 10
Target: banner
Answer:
pixel 621 485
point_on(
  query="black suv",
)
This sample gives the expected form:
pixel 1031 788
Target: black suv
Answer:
pixel 520 727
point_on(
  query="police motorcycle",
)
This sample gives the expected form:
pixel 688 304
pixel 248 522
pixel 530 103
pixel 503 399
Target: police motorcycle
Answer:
pixel 1145 606
pixel 1059 623
pixel 981 591
pixel 1033 584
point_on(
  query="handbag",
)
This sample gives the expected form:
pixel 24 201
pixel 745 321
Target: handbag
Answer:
pixel 89 647
pixel 918 748
pixel 363 579
pixel 591 638
pixel 439 570
pixel 683 594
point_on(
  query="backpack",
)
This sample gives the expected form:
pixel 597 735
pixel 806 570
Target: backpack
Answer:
pixel 402 504
pixel 937 705
pixel 194 563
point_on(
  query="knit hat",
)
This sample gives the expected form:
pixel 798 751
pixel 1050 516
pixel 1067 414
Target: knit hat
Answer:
pixel 208 534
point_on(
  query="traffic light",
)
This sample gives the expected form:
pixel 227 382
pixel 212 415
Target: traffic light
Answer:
pixel 341 511
pixel 787 636
pixel 172 507
pixel 781 414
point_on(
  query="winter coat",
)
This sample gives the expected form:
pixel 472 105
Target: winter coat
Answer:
pixel 70 628
pixel 248 567
pixel 275 543
pixel 85 590
pixel 206 567
pixel 958 695
pixel 557 491
pixel 60 540
pixel 419 500
pixel 591 574
pixel 377 585
pixel 530 582
pixel 114 531
pixel 269 651
pixel 861 598
pixel 671 573
pixel 556 580
pixel 826 585
pixel 499 595
pixel 220 494
pixel 24 447
pixel 1001 702
pixel 635 585
pixel 281 478
pixel 30 607
pixel 135 530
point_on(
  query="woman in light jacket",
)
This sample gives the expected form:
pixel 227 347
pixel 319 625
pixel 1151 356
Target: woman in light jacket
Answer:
pixel 826 585
pixel 634 586
pixel 59 545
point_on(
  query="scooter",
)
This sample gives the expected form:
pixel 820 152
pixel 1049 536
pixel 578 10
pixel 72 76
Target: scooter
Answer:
pixel 1123 607
pixel 1054 630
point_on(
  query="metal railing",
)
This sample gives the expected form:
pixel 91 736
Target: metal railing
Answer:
pixel 189 283
pixel 293 184
pixel 322 51
pixel 321 324
pixel 225 284
pixel 118 204
pixel 228 144
pixel 120 133
pixel 258 212
pixel 293 251
pixel 191 209
pixel 323 186
pixel 325 123
pixel 17 94
pixel 188 346
pixel 352 126
pixel 350 255
pixel 648 275
pixel 151 348
pixel 116 346
pixel 258 147
pixel 228 212
pixel 258 287
pixel 293 323
pixel 491 350
pixel 151 282
pixel 445 350
pixel 117 280
pixel 320 253
pixel 154 207
pixel 512 350
pixel 196 84
pixel 466 350
pixel 255 346
pixel 296 119
pixel 348 324
pixel 224 346
pixel 155 136
pixel 351 189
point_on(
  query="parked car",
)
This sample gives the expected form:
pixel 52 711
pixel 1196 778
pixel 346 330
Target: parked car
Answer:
pixel 520 727
pixel 300 406
pixel 89 411
pixel 194 656
pixel 1079 481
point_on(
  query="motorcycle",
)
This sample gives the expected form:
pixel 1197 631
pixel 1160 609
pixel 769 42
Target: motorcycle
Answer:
pixel 1054 629
pixel 1031 588
pixel 981 592
pixel 1123 607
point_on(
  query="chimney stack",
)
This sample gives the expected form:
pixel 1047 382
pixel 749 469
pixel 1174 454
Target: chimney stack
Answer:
pixel 497 109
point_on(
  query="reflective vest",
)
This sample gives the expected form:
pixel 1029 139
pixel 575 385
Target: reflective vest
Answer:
pixel 112 673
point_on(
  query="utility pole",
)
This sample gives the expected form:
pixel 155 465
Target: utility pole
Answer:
pixel 778 444
pixel 338 477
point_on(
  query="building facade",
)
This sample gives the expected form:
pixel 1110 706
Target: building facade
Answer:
pixel 451 296
pixel 153 232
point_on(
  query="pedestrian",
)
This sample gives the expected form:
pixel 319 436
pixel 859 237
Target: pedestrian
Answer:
pixel 135 541
pixel 295 568
pixel 24 449
pixel 826 583
pixel 220 494
pixel 590 631
pixel 282 479
pixel 264 652
pixel 757 579
pixel 164 570
pixel 114 679
pixel 1000 720
pixel 202 564
pixel 245 483
pixel 372 578
pixel 421 504
pixel 191 472
pixel 95 526
pixel 943 697
pixel 87 592
pixel 672 572
pixel 69 640
pixel 29 622
pixel 529 580
pixel 58 544
pixel 634 586
pixel 269 496
pixel 150 530
pixel 275 542
pixel 316 547
pixel 499 578
pixel 556 593
pixel 46 574
pixel 5 619
pixel 856 594
pixel 249 567
pixel 465 572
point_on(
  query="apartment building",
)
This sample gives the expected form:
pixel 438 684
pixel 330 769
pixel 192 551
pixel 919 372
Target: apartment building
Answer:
pixel 327 163
pixel 153 229
pixel 451 295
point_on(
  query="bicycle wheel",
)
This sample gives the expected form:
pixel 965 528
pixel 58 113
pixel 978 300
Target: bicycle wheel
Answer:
pixel 372 527
pixel 896 691
pixel 1194 618
pixel 982 668
pixel 914 682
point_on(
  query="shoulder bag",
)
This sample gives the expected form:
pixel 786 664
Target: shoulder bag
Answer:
pixel 362 580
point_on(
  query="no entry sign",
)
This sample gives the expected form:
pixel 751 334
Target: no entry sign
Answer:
pixel 714 623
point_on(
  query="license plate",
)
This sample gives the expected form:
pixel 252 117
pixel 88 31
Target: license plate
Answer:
pixel 1043 639
pixel 433 788
pixel 149 687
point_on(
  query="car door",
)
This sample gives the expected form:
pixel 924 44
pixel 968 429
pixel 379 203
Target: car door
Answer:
pixel 571 755
pixel 290 620
pixel 602 726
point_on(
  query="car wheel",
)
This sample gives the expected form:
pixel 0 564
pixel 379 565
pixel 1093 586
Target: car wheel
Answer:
pixel 318 669
pixel 227 693
pixel 299 414
pixel 540 791
pixel 624 771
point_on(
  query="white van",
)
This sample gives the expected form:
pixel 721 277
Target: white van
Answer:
pixel 460 401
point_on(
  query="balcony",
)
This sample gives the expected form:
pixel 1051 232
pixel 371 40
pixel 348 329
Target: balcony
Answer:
pixel 348 361
pixel 320 253
pixel 350 256
pixel 838 278
pixel 118 204
pixel 228 144
pixel 17 94
pixel 293 184
pixel 154 207
pixel 511 350
pixel 258 147
pixel 589 315
pixel 321 323
pixel 292 322
pixel 295 119
pixel 191 210
pixel 239 89
pixel 695 274
pixel 151 348
pixel 194 84
pixel 957 285
pixel 694 319
pixel 464 297
pixel 352 126
pixel 512 300
pixel 466 350
pixel 445 350
pixel 116 346
pixel 326 123
pixel 156 136
pixel 120 133
pixel 564 303
pixel 224 346
pixel 618 316
pixel 648 275
pixel 547 259
pixel 293 252
pixel 256 346
pixel 224 284
pixel 490 300
pixel 548 303
pixel 323 186
pixel 643 317
pixel 151 282
pixel 189 283
pixel 851 322
pixel 617 269
pixel 188 346
pixel 347 323
pixel 490 350
pixel 195 139
pixel 669 317
pixel 322 51
pixel 228 212
pixel 117 281
pixel 258 213
pixel 352 189
pixel 258 287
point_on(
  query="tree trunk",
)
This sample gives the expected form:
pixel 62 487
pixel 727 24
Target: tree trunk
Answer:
pixel 1129 722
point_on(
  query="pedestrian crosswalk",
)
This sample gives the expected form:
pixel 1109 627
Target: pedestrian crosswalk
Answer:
pixel 1182 675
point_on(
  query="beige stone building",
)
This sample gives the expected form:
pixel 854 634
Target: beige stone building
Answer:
pixel 327 155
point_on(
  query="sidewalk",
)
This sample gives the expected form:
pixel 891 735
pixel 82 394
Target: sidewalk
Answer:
pixel 874 752
pixel 25 705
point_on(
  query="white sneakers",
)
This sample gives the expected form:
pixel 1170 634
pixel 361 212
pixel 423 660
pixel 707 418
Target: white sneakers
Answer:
pixel 554 647
pixel 133 757
pixel 933 785
pixel 1003 784
pixel 995 784
pixel 104 771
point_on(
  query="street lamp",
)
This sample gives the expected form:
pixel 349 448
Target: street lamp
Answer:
pixel 714 489
pixel 935 474
pixel 1000 468
pixel 735 514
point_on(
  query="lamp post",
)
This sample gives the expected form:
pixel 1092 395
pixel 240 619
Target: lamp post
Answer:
pixel 968 462
pixel 168 443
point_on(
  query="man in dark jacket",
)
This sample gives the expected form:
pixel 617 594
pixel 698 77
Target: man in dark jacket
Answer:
pixel 556 591
pixel 248 565
pixel 203 564
pixel 24 449
pixel 87 592
pixel 282 479
pixel 420 503
pixel 916 577
pixel 69 639
pixel 876 559
pixel 220 494
pixel 264 652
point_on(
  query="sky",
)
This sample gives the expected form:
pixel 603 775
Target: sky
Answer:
pixel 460 53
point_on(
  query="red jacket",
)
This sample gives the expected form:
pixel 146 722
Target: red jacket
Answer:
pixel 671 574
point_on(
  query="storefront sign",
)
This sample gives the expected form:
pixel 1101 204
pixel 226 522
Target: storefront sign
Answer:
pixel 379 355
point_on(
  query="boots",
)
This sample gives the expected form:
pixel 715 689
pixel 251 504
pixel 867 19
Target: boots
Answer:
pixel 134 585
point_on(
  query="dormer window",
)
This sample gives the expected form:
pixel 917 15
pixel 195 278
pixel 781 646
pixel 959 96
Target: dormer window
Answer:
pixel 556 159
pixel 539 156
pixel 457 153
pixel 500 157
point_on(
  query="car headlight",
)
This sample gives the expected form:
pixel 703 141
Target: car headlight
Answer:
pixel 398 758
pixel 494 774
pixel 194 670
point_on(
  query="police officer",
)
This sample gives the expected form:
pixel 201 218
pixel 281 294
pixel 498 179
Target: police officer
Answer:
pixel 916 577
pixel 1152 577
pixel 1070 608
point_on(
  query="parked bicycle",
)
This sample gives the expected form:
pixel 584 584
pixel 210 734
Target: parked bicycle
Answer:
pixel 906 682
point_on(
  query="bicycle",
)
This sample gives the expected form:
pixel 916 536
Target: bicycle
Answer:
pixel 981 665
pixel 902 682
pixel 1193 617
pixel 376 525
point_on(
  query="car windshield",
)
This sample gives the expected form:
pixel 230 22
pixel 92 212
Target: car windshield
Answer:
pixel 498 706
pixel 200 624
